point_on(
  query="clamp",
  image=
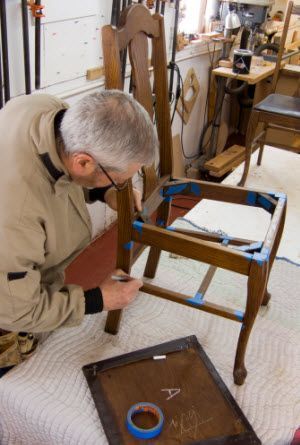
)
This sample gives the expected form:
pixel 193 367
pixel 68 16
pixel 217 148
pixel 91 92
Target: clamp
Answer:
pixel 36 10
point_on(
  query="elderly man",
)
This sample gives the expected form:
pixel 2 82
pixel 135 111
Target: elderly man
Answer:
pixel 53 159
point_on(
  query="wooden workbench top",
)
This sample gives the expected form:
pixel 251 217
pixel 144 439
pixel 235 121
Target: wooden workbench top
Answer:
pixel 257 73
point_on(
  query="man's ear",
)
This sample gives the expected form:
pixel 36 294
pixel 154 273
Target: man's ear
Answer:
pixel 82 164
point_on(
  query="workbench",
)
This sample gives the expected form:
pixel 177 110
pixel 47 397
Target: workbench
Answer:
pixel 289 84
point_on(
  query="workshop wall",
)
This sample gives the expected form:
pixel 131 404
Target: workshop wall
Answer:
pixel 70 45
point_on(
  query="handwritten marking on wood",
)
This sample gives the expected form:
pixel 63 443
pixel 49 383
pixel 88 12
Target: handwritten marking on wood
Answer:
pixel 172 392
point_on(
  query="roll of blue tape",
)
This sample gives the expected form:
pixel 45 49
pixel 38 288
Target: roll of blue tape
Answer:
pixel 141 433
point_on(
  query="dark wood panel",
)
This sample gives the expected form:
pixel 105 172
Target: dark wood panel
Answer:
pixel 202 412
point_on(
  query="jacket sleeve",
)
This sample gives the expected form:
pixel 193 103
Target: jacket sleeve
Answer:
pixel 26 303
pixel 96 194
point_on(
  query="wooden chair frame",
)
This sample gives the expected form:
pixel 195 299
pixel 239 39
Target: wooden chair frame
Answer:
pixel 270 120
pixel 245 257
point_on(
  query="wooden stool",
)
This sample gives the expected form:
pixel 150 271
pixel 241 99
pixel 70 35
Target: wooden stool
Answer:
pixel 276 111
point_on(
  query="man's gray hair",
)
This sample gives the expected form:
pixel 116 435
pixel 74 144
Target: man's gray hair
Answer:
pixel 112 127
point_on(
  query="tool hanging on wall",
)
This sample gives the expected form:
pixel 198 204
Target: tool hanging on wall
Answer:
pixel 4 50
pixel 37 12
pixel 115 12
pixel 173 56
pixel 1 85
pixel 26 48
pixel 115 15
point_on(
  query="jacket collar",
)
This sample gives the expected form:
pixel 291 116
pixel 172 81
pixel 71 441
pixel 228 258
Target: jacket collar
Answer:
pixel 47 147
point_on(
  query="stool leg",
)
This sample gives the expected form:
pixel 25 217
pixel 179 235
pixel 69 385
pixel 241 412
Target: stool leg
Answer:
pixel 256 288
pixel 261 145
pixel 248 148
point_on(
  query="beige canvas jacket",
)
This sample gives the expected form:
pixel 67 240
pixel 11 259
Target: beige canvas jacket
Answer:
pixel 44 222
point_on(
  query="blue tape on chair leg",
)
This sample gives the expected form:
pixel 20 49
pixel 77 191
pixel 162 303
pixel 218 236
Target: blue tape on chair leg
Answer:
pixel 265 203
pixel 168 198
pixel 173 189
pixel 265 252
pixel 128 246
pixel 137 225
pixel 195 188
pixel 251 198
pixel 197 300
pixel 239 315
pixel 261 257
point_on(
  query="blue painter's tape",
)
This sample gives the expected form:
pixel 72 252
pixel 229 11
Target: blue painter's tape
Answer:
pixel 168 198
pixel 142 433
pixel 173 189
pixel 278 195
pixel 160 222
pixel 249 247
pixel 265 252
pixel 225 241
pixel 239 315
pixel 171 228
pixel 251 198
pixel 260 258
pixel 265 203
pixel 281 195
pixel 137 225
pixel 128 246
pixel 195 188
pixel 248 256
pixel 197 300
pixel 227 238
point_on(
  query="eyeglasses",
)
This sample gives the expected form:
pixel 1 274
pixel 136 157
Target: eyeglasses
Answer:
pixel 119 188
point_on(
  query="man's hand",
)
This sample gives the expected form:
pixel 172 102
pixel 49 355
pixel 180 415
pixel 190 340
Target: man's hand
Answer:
pixel 118 294
pixel 110 198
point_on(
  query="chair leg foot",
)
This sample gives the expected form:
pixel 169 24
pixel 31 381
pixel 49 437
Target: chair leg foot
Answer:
pixel 113 322
pixel 239 374
pixel 266 298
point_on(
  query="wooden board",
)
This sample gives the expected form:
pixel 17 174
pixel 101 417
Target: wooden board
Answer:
pixel 257 73
pixel 234 164
pixel 202 412
pixel 225 159
pixel 95 73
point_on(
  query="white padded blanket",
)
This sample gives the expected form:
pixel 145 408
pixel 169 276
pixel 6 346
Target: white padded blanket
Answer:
pixel 47 401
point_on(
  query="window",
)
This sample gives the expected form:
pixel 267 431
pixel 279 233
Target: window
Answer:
pixel 192 13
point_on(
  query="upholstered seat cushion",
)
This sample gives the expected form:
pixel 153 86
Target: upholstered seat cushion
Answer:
pixel 280 104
